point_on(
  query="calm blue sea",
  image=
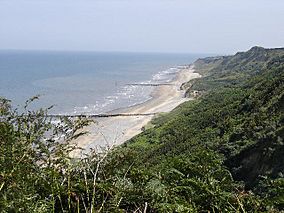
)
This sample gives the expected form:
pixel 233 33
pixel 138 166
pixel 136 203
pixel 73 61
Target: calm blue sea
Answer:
pixel 84 82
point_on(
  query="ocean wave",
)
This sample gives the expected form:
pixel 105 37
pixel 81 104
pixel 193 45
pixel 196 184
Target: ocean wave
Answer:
pixel 165 75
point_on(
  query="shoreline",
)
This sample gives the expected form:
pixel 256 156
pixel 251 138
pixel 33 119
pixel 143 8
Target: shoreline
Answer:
pixel 114 131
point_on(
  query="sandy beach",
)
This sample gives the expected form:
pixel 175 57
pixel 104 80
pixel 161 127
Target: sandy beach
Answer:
pixel 113 131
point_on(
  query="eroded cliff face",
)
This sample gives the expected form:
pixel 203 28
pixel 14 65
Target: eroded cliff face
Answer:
pixel 264 158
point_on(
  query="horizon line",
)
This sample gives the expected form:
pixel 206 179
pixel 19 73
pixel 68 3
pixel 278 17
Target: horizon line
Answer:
pixel 110 51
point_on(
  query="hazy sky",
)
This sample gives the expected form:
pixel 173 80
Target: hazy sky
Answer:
pixel 197 26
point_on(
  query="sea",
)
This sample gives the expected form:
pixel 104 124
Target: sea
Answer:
pixel 84 82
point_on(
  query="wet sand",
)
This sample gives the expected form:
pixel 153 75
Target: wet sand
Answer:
pixel 113 131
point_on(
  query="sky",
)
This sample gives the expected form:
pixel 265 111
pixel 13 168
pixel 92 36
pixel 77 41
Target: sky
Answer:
pixel 193 26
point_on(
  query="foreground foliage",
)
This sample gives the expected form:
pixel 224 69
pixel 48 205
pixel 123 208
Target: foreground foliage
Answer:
pixel 223 152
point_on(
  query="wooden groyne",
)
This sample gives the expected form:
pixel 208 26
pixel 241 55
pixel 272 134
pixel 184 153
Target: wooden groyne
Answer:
pixel 151 85
pixel 100 115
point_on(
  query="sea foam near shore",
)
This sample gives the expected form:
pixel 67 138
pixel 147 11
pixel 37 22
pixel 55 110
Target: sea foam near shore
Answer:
pixel 128 95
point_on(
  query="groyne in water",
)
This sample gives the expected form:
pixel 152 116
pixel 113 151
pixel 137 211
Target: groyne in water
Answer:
pixel 151 85
pixel 101 115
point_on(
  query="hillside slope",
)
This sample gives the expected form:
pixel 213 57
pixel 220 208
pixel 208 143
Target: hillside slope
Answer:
pixel 237 126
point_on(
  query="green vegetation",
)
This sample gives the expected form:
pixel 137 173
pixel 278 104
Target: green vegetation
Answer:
pixel 223 152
